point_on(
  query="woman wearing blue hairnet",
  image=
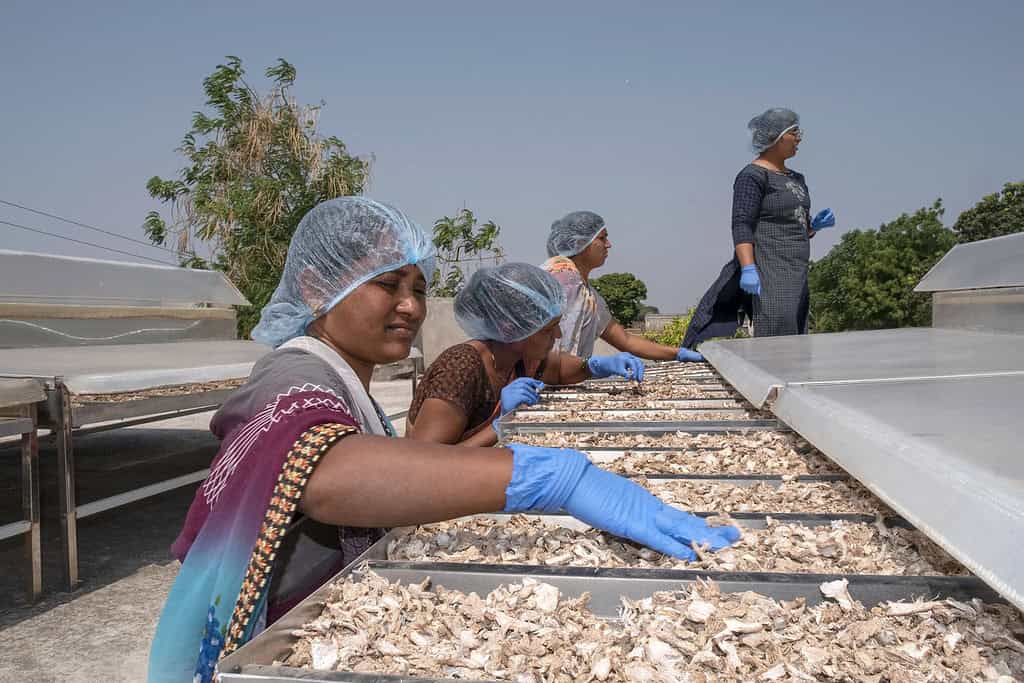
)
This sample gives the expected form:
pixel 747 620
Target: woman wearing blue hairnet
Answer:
pixel 771 231
pixel 306 476
pixel 577 245
pixel 512 314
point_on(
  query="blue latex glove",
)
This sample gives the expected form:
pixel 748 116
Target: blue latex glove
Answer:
pixel 686 355
pixel 551 479
pixel 623 364
pixel 523 391
pixel 750 281
pixel 823 219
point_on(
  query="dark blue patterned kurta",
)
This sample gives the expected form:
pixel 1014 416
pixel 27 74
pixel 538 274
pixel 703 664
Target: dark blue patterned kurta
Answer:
pixel 770 210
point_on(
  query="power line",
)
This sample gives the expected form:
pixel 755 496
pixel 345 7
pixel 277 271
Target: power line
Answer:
pixel 88 244
pixel 87 226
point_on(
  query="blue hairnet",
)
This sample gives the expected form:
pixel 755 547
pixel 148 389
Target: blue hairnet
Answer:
pixel 573 233
pixel 338 245
pixel 508 303
pixel 766 129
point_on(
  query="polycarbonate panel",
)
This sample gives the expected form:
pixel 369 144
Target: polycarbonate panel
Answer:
pixel 134 367
pixel 758 367
pixel 996 262
pixel 47 279
pixel 946 454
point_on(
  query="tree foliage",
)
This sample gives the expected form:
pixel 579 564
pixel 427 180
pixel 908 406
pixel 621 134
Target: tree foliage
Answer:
pixel 624 294
pixel 866 281
pixel 1001 213
pixel 674 332
pixel 254 165
pixel 462 244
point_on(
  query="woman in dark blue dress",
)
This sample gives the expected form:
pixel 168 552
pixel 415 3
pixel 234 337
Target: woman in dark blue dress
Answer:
pixel 771 230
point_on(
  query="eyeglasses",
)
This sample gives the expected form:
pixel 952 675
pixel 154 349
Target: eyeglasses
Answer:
pixel 795 132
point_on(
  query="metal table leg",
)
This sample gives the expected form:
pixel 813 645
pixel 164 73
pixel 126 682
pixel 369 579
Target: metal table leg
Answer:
pixel 66 485
pixel 30 505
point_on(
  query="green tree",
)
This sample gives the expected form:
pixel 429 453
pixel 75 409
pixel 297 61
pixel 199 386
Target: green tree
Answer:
pixel 624 294
pixel 461 242
pixel 254 166
pixel 674 332
pixel 866 281
pixel 996 214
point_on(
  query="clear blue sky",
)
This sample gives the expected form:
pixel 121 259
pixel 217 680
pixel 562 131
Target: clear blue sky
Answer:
pixel 527 111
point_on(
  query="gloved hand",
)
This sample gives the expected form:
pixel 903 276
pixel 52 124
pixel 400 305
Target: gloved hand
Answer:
pixel 550 479
pixel 519 392
pixel 823 219
pixel 750 281
pixel 686 355
pixel 623 364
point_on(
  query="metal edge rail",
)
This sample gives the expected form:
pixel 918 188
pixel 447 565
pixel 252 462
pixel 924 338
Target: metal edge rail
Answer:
pixel 755 385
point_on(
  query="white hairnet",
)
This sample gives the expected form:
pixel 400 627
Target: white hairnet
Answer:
pixel 339 245
pixel 508 303
pixel 768 128
pixel 573 233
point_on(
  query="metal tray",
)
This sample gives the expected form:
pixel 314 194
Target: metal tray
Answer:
pixel 557 399
pixel 743 479
pixel 620 383
pixel 508 426
pixel 714 383
pixel 545 410
pixel 253 662
pixel 603 456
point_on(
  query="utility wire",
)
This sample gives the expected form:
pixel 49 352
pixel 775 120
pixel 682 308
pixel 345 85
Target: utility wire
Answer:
pixel 88 244
pixel 88 227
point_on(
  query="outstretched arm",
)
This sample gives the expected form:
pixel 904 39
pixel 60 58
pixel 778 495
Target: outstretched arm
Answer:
pixel 441 422
pixel 616 335
pixel 372 481
pixel 369 481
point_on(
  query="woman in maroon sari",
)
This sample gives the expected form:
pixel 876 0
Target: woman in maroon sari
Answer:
pixel 512 314
pixel 306 477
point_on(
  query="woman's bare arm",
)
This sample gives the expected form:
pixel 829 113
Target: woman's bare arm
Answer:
pixel 745 253
pixel 373 481
pixel 564 368
pixel 616 335
pixel 441 422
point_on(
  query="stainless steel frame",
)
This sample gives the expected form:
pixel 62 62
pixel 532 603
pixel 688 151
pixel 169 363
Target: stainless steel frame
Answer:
pixel 20 405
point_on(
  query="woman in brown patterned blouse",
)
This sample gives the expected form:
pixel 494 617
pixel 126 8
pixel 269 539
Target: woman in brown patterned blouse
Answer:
pixel 512 314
